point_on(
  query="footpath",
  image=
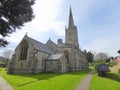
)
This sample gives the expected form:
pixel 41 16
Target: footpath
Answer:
pixel 4 85
pixel 85 83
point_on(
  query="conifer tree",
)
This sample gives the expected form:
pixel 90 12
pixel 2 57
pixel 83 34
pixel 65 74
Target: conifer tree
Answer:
pixel 13 15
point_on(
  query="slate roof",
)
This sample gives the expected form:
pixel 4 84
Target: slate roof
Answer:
pixel 50 41
pixel 40 46
pixel 54 57
pixel 52 45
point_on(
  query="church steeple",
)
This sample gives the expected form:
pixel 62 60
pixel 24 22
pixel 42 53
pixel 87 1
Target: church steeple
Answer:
pixel 71 21
pixel 71 32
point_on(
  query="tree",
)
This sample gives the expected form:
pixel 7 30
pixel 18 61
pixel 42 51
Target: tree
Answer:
pixel 89 56
pixel 101 56
pixel 13 15
pixel 7 54
pixel 3 42
pixel 118 51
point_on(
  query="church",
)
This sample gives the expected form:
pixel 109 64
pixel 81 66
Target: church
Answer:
pixel 32 56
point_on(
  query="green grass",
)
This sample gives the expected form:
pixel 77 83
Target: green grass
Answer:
pixel 113 76
pixel 2 62
pixel 45 81
pixel 91 66
pixel 111 82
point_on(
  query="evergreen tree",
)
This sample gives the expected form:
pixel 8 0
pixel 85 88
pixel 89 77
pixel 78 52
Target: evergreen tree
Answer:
pixel 13 15
pixel 118 51
pixel 89 56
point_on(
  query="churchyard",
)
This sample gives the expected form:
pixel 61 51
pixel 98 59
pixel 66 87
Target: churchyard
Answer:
pixel 67 81
pixel 45 81
pixel 111 82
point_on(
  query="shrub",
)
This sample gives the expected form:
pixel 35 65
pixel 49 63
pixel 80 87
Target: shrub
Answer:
pixel 111 64
pixel 98 63
pixel 118 70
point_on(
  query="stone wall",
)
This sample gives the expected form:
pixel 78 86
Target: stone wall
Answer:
pixel 52 66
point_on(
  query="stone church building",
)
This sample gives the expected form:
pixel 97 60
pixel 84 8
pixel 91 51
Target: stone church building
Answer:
pixel 32 56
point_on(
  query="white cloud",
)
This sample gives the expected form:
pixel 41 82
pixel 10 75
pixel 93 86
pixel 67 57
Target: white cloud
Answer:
pixel 85 7
pixel 101 32
pixel 47 12
pixel 101 22
pixel 109 44
pixel 0 36
pixel 46 21
pixel 46 15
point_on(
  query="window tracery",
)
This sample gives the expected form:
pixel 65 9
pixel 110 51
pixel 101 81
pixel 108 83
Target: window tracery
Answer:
pixel 24 49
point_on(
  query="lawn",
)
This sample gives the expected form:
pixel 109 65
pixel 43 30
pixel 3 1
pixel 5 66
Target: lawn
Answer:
pixel 45 81
pixel 111 82
pixel 2 62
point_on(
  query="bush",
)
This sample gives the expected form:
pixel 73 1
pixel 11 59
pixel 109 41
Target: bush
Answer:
pixel 113 76
pixel 98 63
pixel 119 71
pixel 111 64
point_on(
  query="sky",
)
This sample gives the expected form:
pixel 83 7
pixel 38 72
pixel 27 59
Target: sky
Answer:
pixel 97 21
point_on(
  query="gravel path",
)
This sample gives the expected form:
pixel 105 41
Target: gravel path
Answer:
pixel 4 85
pixel 85 83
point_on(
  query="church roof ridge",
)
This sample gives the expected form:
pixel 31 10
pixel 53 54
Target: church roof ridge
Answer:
pixel 49 40
pixel 40 46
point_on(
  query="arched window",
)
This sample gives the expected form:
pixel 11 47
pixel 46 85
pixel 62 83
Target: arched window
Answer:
pixel 24 49
pixel 66 55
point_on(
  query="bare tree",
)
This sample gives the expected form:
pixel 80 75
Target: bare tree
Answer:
pixel 7 54
pixel 101 56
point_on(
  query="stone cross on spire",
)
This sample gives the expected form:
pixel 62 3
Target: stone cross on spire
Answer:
pixel 71 21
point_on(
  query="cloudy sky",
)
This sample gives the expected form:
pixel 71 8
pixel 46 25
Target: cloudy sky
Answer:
pixel 98 23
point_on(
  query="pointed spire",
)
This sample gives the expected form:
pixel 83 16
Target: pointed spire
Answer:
pixel 49 39
pixel 26 34
pixel 71 21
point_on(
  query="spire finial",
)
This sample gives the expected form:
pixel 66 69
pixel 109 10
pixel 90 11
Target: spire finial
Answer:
pixel 71 21
pixel 26 34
